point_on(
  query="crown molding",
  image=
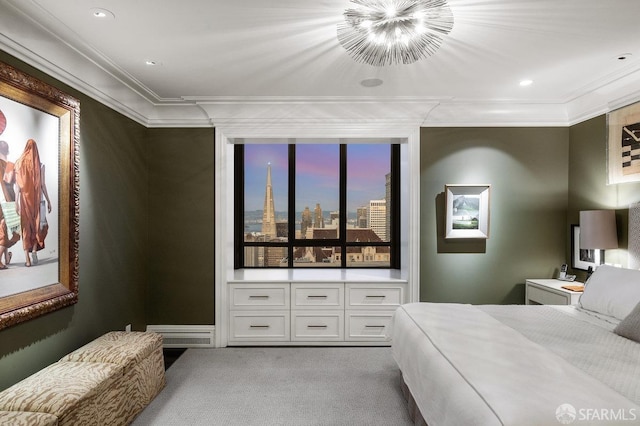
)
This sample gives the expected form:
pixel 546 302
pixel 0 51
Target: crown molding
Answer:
pixel 498 113
pixel 29 40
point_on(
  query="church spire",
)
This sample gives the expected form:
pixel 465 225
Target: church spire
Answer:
pixel 269 211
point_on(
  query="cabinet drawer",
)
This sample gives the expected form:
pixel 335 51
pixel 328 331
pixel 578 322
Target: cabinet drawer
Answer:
pixel 259 326
pixel 371 295
pixel 259 296
pixel 317 296
pixel 317 326
pixel 362 325
pixel 546 297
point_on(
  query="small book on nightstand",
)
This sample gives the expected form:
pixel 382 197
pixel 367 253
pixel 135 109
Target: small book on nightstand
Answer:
pixel 574 287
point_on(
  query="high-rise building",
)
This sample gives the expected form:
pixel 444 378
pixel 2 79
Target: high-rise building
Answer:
pixel 362 220
pixel 334 219
pixel 378 218
pixel 275 256
pixel 269 211
pixel 306 222
pixel 318 220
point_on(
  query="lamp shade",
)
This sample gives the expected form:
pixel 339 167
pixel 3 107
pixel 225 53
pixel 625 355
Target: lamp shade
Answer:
pixel 598 230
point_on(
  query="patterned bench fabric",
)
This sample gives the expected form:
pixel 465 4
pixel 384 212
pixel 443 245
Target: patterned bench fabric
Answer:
pixel 64 389
pixel 106 382
pixel 140 354
pixel 22 418
pixel 118 347
pixel 126 398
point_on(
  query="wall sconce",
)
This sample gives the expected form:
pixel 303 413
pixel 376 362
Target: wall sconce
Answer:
pixel 598 231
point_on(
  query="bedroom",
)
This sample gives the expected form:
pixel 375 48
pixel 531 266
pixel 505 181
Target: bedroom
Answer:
pixel 542 176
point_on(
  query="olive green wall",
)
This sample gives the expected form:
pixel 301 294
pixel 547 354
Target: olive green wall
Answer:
pixel 112 249
pixel 181 226
pixel 146 236
pixel 528 172
pixel 588 189
pixel 147 222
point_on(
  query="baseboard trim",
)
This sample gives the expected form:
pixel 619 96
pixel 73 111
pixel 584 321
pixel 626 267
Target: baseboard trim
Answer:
pixel 185 336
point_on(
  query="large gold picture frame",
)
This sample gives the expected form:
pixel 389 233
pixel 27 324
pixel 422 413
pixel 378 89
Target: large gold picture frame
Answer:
pixel 35 111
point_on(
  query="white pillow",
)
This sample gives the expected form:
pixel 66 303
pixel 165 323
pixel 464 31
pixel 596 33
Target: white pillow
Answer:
pixel 611 291
pixel 630 326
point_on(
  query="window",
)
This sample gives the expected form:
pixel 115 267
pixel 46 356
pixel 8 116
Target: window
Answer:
pixel 329 205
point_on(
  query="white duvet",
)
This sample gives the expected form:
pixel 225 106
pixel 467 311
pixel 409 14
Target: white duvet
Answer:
pixel 470 365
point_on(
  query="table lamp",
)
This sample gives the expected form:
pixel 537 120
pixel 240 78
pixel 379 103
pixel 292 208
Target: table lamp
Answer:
pixel 598 231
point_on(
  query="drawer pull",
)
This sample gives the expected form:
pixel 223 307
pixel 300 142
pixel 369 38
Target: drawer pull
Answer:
pixel 316 326
pixel 316 297
pixel 259 297
pixel 374 326
pixel 375 297
pixel 258 326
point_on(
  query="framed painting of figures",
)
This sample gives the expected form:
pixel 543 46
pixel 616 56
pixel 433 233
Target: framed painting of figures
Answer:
pixel 623 144
pixel 39 197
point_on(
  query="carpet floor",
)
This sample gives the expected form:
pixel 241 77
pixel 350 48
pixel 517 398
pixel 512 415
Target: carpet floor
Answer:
pixel 280 386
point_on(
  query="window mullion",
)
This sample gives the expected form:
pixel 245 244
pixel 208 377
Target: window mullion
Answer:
pixel 394 239
pixel 291 204
pixel 238 257
pixel 343 205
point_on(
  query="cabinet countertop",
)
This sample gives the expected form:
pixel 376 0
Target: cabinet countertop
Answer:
pixel 317 275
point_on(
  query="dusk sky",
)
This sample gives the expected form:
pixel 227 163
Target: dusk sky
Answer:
pixel 317 174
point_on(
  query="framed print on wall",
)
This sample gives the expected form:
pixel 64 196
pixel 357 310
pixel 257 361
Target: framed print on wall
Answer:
pixel 623 144
pixel 39 197
pixel 582 259
pixel 467 211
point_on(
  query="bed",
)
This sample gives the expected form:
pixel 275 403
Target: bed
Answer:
pixel 525 365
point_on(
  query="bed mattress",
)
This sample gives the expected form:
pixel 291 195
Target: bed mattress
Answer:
pixel 516 365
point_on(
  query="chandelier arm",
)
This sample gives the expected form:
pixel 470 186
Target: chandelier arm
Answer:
pixel 386 32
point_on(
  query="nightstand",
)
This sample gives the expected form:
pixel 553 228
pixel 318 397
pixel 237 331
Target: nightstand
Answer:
pixel 550 292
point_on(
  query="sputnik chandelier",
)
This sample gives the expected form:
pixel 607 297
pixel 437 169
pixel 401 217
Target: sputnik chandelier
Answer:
pixel 386 32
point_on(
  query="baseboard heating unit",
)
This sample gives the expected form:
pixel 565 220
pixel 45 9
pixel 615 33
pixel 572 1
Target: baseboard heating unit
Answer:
pixel 185 336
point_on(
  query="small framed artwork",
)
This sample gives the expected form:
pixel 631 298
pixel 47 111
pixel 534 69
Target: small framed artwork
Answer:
pixel 623 144
pixel 582 259
pixel 467 211
pixel 39 197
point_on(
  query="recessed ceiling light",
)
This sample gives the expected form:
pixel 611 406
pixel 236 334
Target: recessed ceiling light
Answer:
pixel 624 56
pixel 371 82
pixel 527 82
pixel 152 63
pixel 102 13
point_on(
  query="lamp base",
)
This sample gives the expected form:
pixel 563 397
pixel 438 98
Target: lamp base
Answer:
pixel 589 272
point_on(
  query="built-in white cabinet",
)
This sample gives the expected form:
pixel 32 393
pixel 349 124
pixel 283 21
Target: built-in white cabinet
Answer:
pixel 259 312
pixel 369 309
pixel 302 313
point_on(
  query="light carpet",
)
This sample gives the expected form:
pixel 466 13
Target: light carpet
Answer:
pixel 281 386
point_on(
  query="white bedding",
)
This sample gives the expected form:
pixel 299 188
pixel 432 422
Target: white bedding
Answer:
pixel 604 321
pixel 491 365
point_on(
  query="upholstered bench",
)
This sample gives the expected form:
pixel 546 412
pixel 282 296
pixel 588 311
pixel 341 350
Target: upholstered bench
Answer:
pixel 139 354
pixel 73 392
pixel 106 382
pixel 22 418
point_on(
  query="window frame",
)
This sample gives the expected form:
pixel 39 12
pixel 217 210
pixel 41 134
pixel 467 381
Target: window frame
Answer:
pixel 292 243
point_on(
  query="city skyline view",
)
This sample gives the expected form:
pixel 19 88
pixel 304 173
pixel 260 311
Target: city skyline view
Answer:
pixel 317 175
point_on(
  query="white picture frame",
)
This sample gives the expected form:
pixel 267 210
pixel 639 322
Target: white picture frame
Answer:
pixel 582 259
pixel 467 211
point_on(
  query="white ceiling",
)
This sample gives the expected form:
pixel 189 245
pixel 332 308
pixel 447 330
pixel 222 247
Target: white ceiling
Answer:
pixel 225 60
